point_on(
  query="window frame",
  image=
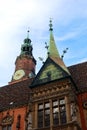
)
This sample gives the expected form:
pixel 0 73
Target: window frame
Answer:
pixel 58 108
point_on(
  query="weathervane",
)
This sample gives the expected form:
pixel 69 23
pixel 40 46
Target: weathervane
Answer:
pixel 41 59
pixel 46 46
pixel 64 51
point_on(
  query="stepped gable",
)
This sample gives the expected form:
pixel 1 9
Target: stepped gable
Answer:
pixel 79 74
pixel 14 95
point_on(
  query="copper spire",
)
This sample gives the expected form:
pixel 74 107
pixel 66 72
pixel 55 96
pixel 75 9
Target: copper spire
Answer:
pixel 52 46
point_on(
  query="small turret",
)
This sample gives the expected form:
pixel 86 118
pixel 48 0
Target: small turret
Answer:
pixel 26 48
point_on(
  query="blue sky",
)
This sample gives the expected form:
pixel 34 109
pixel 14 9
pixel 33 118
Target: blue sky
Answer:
pixel 70 31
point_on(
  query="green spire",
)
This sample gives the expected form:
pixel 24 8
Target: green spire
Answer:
pixel 53 52
pixel 52 46
pixel 26 48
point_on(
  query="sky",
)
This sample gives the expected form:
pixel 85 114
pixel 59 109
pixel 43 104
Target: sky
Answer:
pixel 69 28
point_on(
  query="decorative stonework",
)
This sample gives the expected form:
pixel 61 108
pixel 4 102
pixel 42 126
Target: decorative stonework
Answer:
pixel 7 120
pixel 51 90
pixel 28 121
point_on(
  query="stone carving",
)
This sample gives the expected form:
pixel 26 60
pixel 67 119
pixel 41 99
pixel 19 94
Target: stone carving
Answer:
pixel 29 121
pixel 73 112
pixel 7 120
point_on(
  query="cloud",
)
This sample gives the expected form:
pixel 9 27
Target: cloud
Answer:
pixel 72 32
pixel 69 35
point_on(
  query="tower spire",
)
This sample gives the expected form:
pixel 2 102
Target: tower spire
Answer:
pixel 52 50
pixel 25 63
pixel 28 34
pixel 52 46
pixel 26 48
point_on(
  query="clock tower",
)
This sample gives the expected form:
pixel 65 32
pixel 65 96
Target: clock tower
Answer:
pixel 25 62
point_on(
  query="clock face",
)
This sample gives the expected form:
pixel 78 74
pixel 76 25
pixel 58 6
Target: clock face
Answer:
pixel 18 74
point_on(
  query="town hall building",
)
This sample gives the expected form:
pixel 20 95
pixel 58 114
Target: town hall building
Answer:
pixel 53 99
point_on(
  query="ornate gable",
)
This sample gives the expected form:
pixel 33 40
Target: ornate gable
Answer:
pixel 7 120
pixel 50 71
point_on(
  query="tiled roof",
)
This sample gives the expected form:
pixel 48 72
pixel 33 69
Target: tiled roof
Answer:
pixel 17 94
pixel 14 95
pixel 79 74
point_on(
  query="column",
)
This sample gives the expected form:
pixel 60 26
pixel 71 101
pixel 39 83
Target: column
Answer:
pixel 68 113
pixel 51 115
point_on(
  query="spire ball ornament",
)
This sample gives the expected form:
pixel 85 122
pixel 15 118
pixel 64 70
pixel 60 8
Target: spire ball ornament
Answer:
pixel 50 25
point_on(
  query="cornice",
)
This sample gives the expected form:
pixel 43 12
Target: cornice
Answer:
pixel 51 90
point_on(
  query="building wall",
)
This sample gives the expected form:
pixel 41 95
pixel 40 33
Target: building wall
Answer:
pixel 55 91
pixel 25 63
pixel 15 114
pixel 82 101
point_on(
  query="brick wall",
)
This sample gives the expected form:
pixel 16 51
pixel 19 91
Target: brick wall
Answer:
pixel 15 113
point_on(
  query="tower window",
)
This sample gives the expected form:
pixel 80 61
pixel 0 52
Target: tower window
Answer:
pixel 26 49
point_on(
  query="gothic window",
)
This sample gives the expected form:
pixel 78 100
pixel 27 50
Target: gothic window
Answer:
pixel 18 121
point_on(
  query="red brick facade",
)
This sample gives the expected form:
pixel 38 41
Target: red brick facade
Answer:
pixel 79 75
pixel 54 99
pixel 26 63
pixel 15 113
pixel 82 102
